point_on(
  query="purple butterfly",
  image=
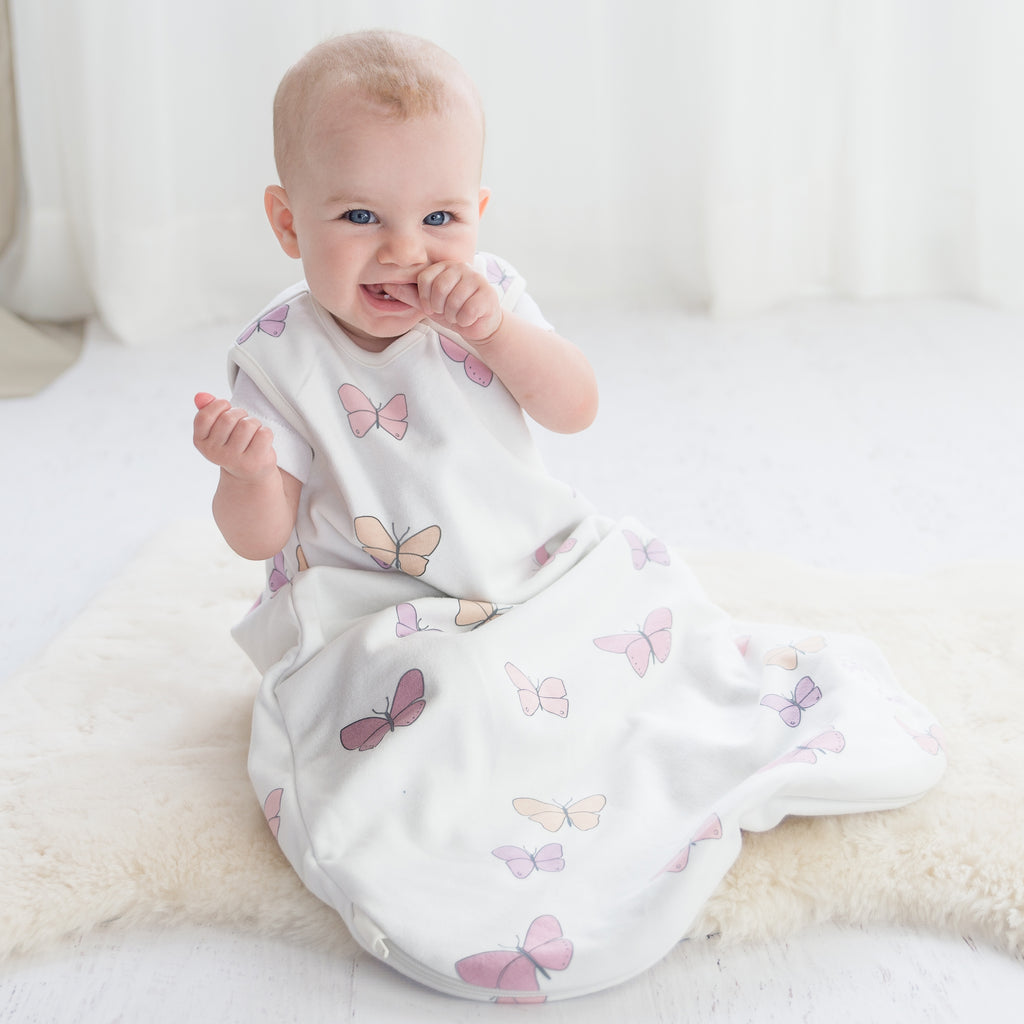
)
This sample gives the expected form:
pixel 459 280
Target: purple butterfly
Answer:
pixel 791 709
pixel 522 863
pixel 271 323
pixel 653 551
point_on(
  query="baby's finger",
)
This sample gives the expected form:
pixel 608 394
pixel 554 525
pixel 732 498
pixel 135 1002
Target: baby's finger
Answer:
pixel 407 293
pixel 203 399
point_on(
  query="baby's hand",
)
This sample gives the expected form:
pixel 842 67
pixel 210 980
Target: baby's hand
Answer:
pixel 456 296
pixel 232 439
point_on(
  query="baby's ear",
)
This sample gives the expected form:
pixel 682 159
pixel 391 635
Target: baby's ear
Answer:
pixel 279 213
pixel 485 198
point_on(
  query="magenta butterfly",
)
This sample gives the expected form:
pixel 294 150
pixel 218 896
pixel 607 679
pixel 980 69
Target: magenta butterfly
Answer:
pixel 406 706
pixel 711 829
pixel 831 742
pixel 363 415
pixel 655 639
pixel 653 551
pixel 544 949
pixel 549 694
pixel 522 864
pixel 476 370
pixel 271 323
pixel 272 810
pixel 791 709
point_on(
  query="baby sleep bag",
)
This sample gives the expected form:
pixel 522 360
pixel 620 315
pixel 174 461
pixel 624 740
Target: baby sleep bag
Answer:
pixel 509 740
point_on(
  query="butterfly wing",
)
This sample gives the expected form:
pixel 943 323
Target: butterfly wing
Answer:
pixel 657 628
pixel 489 969
pixel 546 945
pixel 711 829
pixel 376 541
pixel 832 741
pixel 658 553
pixel 527 693
pixel 550 857
pixel 548 816
pixel 636 549
pixel 413 554
pixel 788 711
pixel 474 612
pixel 585 813
pixel 365 734
pixel 476 371
pixel 272 810
pixel 362 414
pixel 408 621
pixel 783 657
pixel 806 693
pixel 408 703
pixel 392 416
pixel 247 333
pixel 278 578
pixel 551 694
pixel 274 322
pixel 639 653
pixel 519 862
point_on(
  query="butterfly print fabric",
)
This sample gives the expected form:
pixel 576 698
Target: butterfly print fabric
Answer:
pixel 510 740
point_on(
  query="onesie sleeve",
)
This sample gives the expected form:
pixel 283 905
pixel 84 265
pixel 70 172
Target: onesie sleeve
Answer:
pixel 511 286
pixel 294 454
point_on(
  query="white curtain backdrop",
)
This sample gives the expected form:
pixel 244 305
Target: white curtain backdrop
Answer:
pixel 723 154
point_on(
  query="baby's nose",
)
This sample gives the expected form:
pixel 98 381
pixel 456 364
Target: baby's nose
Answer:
pixel 402 248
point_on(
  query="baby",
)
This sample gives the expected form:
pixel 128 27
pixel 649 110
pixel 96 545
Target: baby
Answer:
pixel 379 148
pixel 508 739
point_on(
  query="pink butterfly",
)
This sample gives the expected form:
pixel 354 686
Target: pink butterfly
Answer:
pixel 542 556
pixel 544 949
pixel 522 864
pixel 278 576
pixel 363 415
pixel 404 709
pixel 476 370
pixel 791 709
pixel 654 639
pixel 549 694
pixel 653 551
pixel 272 810
pixel 271 323
pixel 409 622
pixel 931 742
pixel 788 655
pixel 711 829
pixel 807 753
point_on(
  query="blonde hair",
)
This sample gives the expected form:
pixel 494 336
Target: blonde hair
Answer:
pixel 403 74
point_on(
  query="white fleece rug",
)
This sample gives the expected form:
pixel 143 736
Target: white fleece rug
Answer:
pixel 124 796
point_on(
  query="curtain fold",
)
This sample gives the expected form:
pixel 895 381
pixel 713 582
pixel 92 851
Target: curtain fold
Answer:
pixel 723 154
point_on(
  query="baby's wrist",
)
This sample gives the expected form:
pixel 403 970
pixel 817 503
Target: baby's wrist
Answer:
pixel 490 337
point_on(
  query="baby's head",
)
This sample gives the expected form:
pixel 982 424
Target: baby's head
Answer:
pixel 379 146
pixel 402 75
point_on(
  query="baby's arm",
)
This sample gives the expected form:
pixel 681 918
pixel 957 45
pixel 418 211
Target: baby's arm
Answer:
pixel 548 375
pixel 256 502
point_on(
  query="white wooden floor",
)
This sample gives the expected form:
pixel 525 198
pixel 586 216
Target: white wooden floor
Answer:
pixel 876 438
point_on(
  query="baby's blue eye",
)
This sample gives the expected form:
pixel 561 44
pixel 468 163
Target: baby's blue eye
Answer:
pixel 436 219
pixel 359 216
